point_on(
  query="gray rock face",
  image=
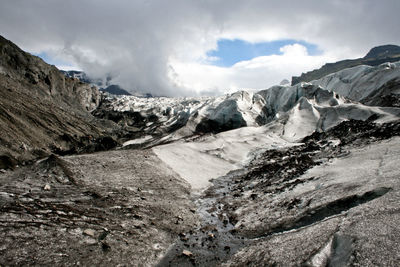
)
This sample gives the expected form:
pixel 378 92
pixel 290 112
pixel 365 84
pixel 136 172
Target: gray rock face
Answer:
pixel 115 90
pixel 383 51
pixel 45 80
pixel 41 109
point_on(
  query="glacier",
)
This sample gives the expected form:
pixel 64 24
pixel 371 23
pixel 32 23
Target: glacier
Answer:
pixel 202 138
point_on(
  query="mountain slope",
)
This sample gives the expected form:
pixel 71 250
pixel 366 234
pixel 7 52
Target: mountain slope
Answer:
pixel 41 110
pixel 105 85
pixel 43 80
pixel 375 57
pixel 373 86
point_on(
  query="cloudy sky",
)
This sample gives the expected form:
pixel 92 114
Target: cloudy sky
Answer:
pixel 198 47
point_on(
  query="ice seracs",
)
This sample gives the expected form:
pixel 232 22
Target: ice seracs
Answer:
pixel 222 131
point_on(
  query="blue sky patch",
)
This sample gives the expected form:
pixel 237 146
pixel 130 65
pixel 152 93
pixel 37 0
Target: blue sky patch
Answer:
pixel 230 52
pixel 51 60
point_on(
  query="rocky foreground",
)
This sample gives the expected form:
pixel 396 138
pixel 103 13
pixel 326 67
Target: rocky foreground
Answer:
pixel 104 209
pixel 331 201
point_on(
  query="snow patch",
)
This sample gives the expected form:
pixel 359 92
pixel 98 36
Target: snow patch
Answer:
pixel 138 140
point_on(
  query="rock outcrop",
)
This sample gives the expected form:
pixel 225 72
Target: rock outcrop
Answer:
pixel 41 110
pixel 115 90
pixel 44 80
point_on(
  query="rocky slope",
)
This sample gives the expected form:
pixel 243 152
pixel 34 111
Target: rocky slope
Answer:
pixel 41 110
pixel 44 80
pixel 375 57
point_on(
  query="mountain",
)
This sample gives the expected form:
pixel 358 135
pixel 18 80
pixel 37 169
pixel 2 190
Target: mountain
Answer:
pixel 373 86
pixel 104 85
pixel 42 111
pixel 83 77
pixel 375 57
pixel 115 90
pixel 384 51
pixel 44 80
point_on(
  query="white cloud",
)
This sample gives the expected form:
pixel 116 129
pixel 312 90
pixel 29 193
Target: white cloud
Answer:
pixel 257 73
pixel 137 41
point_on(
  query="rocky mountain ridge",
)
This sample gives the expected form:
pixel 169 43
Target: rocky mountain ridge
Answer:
pixel 375 57
pixel 46 80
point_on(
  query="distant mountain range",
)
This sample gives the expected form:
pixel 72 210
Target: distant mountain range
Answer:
pixel 375 57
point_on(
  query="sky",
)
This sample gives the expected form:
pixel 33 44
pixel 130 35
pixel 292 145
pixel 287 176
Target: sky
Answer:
pixel 198 47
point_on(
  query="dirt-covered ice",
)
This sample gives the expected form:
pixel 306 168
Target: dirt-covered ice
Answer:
pixel 212 156
pixel 331 201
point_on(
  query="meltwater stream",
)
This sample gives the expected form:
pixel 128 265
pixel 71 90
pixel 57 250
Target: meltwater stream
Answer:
pixel 215 240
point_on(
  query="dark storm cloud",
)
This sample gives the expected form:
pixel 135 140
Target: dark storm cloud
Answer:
pixel 136 41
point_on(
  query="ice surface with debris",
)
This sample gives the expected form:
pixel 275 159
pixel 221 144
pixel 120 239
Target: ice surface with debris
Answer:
pixel 210 157
pixel 247 121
